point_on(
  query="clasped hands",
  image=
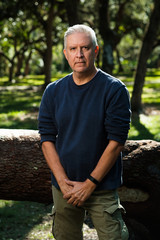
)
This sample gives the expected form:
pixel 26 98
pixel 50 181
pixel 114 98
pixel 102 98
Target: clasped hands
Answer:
pixel 78 192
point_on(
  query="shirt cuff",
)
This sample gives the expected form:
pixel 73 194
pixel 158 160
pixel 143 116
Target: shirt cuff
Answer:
pixel 120 139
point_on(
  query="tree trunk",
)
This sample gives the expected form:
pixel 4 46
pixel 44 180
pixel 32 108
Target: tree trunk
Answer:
pixel 20 58
pixel 27 68
pixel 147 46
pixel 24 175
pixel 105 32
pixel 110 39
pixel 11 71
pixel 107 59
pixel 72 11
pixel 120 67
pixel 48 52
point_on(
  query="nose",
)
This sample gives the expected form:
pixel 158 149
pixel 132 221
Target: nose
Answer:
pixel 79 52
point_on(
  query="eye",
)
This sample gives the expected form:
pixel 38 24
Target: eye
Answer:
pixel 72 48
pixel 86 48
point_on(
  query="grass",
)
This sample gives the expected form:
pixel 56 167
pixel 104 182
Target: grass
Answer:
pixel 31 80
pixel 25 220
pixel 146 125
pixel 29 221
pixel 19 109
pixel 20 103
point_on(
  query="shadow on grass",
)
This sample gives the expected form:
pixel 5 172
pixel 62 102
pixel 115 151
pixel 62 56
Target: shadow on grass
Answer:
pixel 16 123
pixel 19 108
pixel 143 132
pixel 19 100
pixel 17 219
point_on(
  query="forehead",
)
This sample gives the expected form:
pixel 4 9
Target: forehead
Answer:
pixel 78 38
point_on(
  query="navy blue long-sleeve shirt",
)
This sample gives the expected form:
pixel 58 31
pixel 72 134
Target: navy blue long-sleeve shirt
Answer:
pixel 81 119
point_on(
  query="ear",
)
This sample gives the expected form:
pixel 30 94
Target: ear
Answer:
pixel 96 50
pixel 65 54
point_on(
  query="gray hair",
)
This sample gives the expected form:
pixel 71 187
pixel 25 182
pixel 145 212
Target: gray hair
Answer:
pixel 81 28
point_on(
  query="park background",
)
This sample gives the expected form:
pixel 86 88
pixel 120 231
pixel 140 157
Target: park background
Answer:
pixel 31 45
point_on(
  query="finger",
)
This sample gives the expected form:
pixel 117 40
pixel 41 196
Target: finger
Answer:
pixel 80 204
pixel 67 195
pixel 70 183
pixel 75 203
pixel 72 201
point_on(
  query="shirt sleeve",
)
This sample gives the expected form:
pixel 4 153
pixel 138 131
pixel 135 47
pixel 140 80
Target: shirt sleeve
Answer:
pixel 118 113
pixel 46 123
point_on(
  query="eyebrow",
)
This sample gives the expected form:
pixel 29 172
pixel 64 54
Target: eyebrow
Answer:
pixel 84 45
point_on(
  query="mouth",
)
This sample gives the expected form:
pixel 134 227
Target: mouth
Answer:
pixel 80 62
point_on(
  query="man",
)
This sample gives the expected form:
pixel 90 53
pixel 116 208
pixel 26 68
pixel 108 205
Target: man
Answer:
pixel 83 122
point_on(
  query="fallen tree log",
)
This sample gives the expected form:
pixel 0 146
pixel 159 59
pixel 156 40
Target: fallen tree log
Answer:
pixel 24 175
pixel 142 179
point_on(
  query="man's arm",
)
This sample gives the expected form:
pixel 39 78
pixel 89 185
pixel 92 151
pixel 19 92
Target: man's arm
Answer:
pixel 82 190
pixel 54 164
pixel 107 160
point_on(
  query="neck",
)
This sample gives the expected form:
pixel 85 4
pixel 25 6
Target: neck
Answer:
pixel 82 78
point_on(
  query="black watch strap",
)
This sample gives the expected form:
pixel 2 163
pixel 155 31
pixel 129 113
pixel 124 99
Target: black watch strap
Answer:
pixel 92 179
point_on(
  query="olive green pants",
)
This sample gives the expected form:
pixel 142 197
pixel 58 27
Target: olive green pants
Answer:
pixel 104 209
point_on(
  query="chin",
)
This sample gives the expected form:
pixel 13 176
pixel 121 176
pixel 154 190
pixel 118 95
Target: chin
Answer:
pixel 81 69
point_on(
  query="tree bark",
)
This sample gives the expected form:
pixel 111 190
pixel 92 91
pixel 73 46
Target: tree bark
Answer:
pixel 72 11
pixel 48 52
pixel 120 67
pixel 142 180
pixel 24 175
pixel 27 67
pixel 20 58
pixel 11 71
pixel 147 46
pixel 110 36
pixel 107 36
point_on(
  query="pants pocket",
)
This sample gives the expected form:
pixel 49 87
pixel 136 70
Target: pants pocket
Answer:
pixel 115 215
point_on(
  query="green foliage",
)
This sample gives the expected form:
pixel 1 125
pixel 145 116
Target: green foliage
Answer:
pixel 23 27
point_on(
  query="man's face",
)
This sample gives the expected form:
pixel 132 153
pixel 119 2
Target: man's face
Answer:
pixel 80 52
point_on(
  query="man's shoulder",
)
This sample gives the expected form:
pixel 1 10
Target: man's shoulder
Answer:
pixel 57 87
pixel 110 79
pixel 59 82
pixel 110 83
